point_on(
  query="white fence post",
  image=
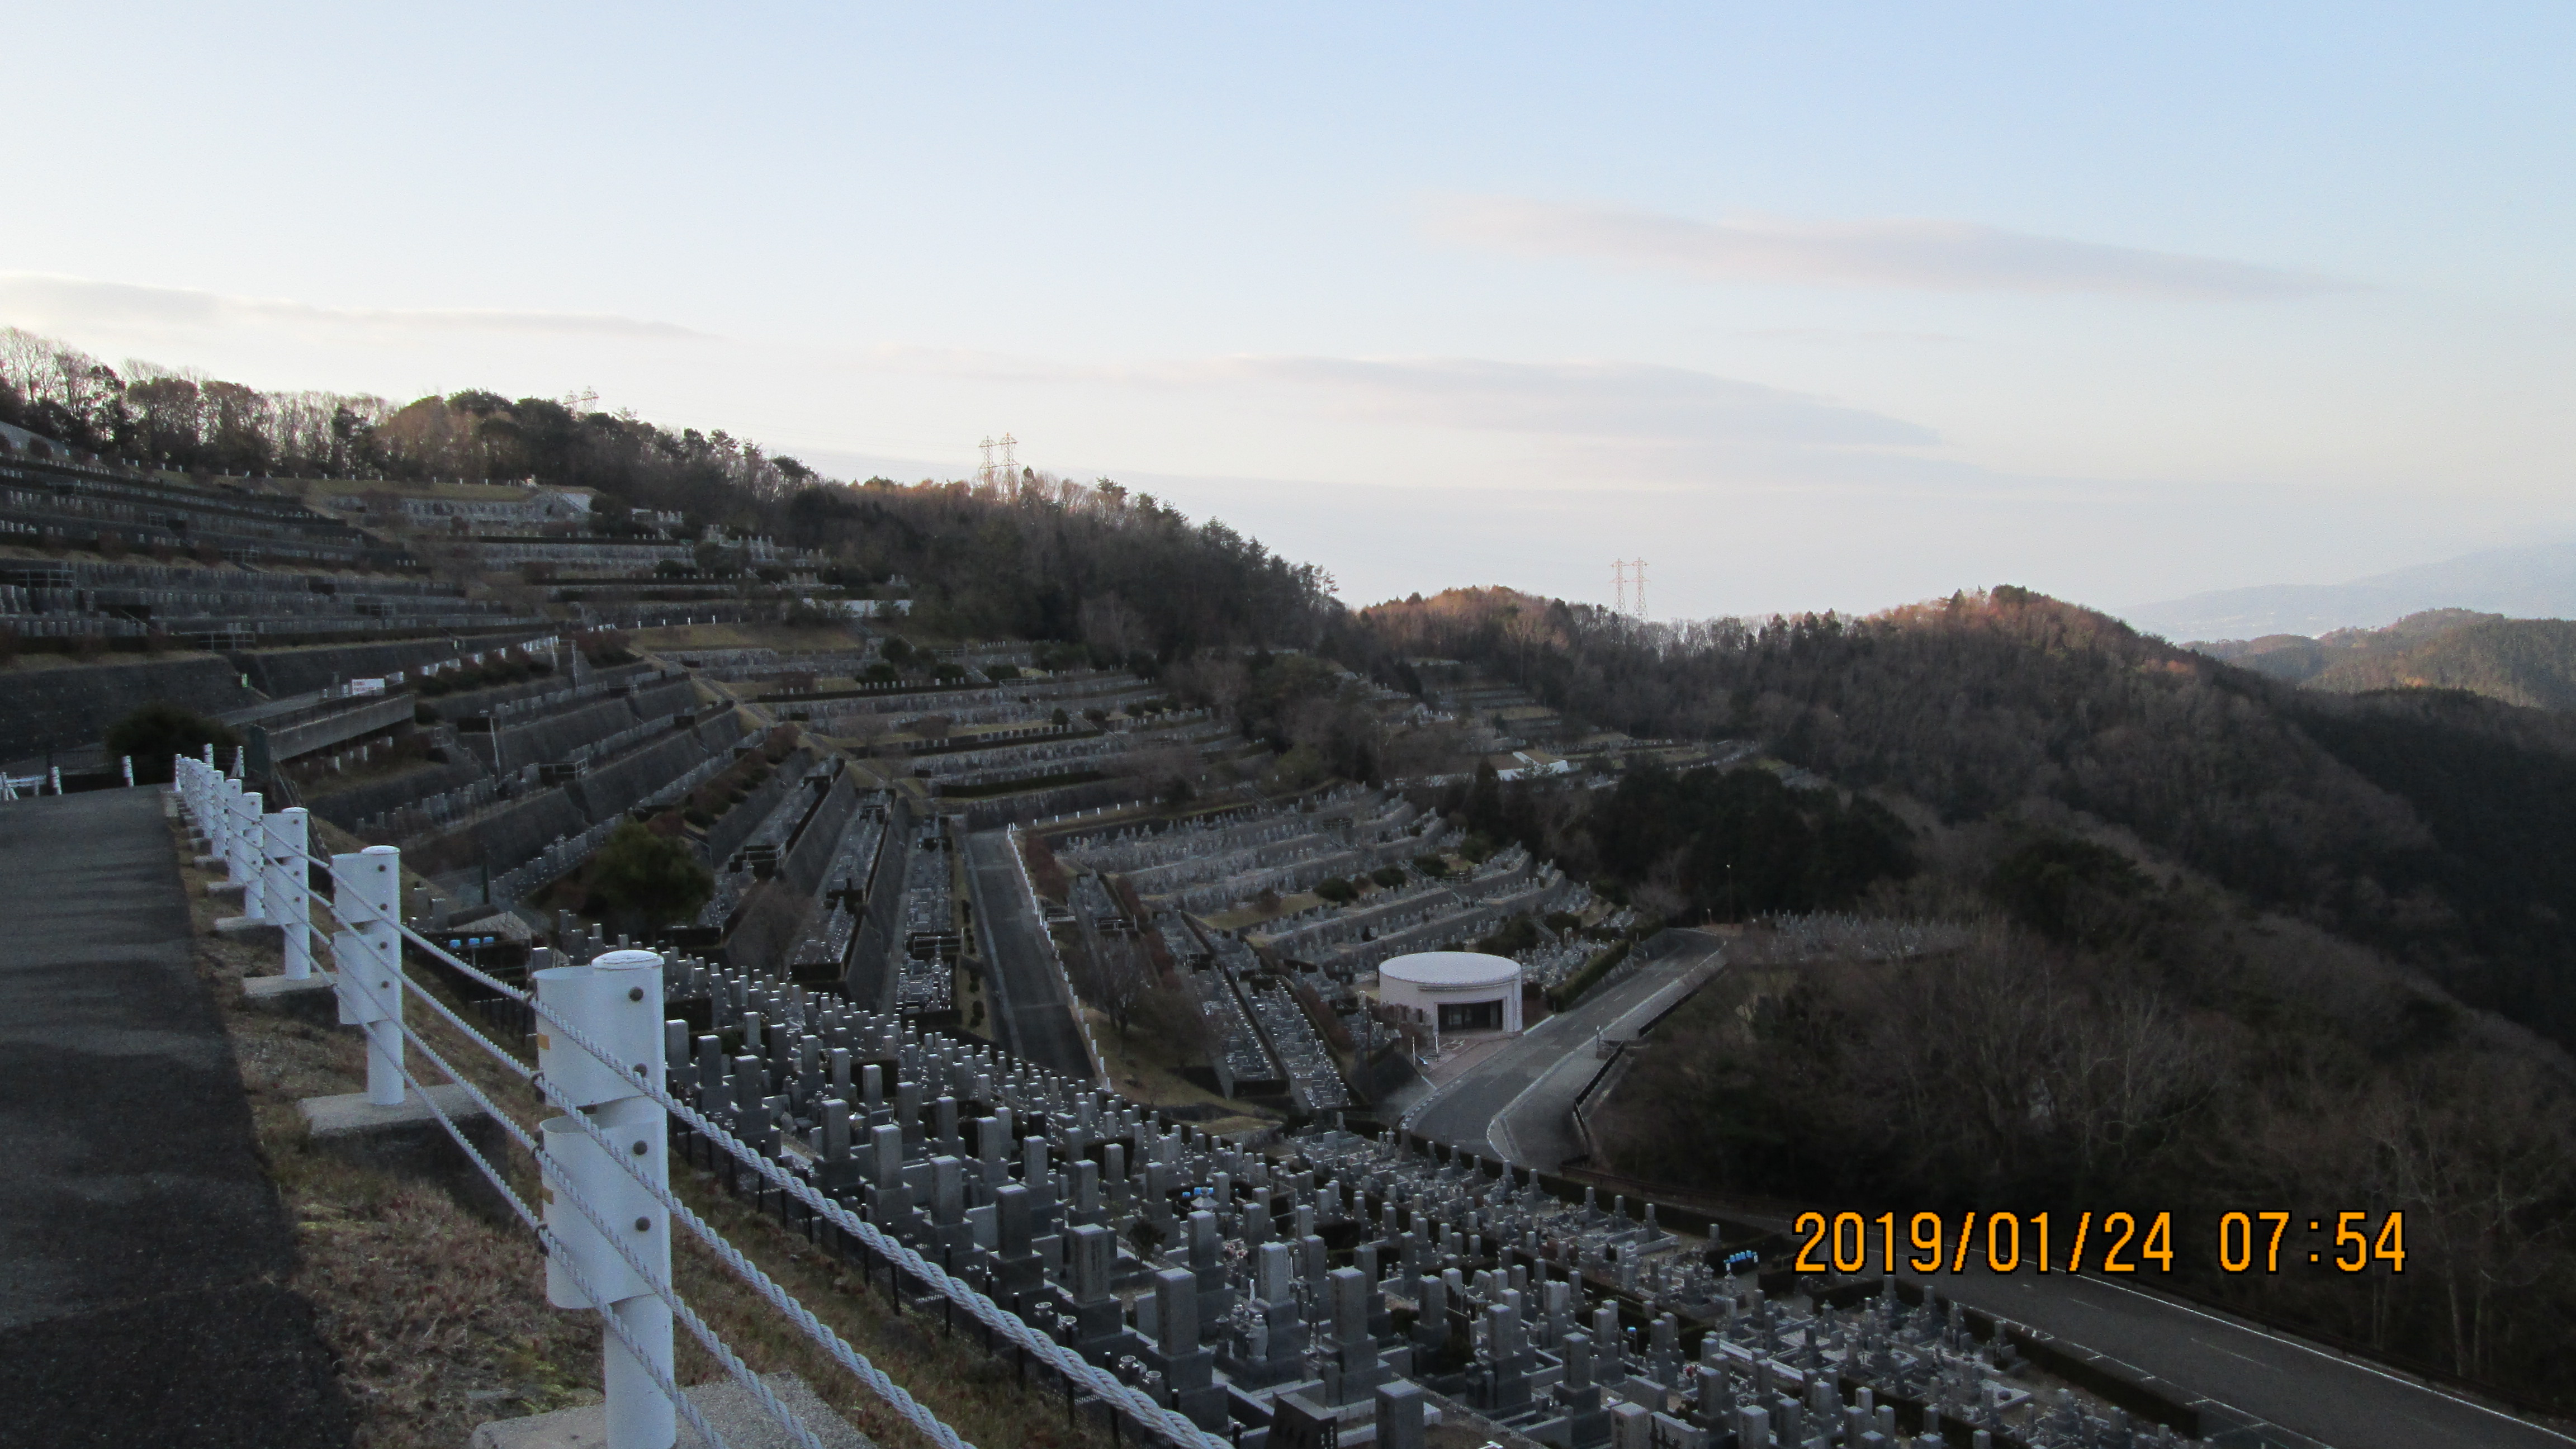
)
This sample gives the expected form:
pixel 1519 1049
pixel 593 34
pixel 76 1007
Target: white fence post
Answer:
pixel 366 891
pixel 616 1001
pixel 129 772
pixel 243 860
pixel 288 896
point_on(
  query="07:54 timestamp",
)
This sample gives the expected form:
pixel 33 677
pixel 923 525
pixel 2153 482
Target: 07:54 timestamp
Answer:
pixel 2121 1242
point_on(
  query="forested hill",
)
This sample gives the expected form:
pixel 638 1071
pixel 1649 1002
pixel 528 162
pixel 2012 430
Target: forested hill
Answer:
pixel 1032 557
pixel 2297 658
pixel 2530 662
pixel 2437 826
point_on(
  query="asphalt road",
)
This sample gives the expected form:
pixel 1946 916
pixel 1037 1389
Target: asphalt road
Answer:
pixel 2245 1374
pixel 2274 1390
pixel 1517 1105
pixel 142 1246
pixel 1030 1002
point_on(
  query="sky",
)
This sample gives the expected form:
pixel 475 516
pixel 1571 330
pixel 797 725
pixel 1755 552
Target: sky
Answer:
pixel 1806 306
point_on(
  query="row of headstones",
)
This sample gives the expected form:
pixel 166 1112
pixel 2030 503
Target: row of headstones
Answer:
pixel 995 1202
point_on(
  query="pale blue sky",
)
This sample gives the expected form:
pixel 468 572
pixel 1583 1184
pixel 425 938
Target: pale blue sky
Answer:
pixel 1811 306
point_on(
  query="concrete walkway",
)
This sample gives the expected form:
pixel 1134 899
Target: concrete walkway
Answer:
pixel 143 1251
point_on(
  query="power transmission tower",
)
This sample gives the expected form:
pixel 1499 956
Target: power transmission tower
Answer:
pixel 1007 468
pixel 1628 585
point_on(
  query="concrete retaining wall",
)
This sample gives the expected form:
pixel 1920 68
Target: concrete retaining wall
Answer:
pixel 873 948
pixel 508 837
pixel 551 738
pixel 735 826
pixel 1023 809
pixel 810 854
pixel 677 697
pixel 339 727
pixel 610 788
pixel 67 708
pixel 281 672
pixel 345 808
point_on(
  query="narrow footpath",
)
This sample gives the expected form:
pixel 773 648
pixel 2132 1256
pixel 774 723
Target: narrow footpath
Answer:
pixel 143 1250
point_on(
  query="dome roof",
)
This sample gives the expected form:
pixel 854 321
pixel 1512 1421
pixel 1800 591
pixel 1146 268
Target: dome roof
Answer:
pixel 1452 970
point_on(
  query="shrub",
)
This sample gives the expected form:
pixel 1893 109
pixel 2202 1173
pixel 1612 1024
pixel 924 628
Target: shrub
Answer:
pixel 1389 876
pixel 1337 890
pixel 648 877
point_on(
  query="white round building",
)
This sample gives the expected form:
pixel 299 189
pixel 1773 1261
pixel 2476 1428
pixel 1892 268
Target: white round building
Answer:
pixel 1453 991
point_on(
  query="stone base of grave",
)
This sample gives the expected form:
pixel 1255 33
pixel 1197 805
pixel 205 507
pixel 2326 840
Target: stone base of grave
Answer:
pixel 316 998
pixel 408 1139
pixel 730 1409
pixel 220 889
pixel 251 929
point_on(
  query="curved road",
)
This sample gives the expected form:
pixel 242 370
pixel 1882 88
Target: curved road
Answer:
pixel 2254 1386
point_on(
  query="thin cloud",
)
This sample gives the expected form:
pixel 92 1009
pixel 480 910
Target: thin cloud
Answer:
pixel 1901 252
pixel 1631 401
pixel 50 300
pixel 1617 401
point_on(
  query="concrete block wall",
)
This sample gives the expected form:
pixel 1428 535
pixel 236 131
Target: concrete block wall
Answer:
pixel 511 836
pixel 555 736
pixel 736 825
pixel 677 697
pixel 873 969
pixel 281 672
pixel 69 708
pixel 346 807
pixel 611 787
pixel 810 855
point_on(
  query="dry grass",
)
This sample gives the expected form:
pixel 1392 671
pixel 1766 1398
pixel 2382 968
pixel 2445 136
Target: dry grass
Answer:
pixel 436 1307
pixel 1149 1077
pixel 436 1313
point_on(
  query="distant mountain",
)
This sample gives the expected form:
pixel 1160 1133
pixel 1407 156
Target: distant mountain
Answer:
pixel 2535 582
pixel 2296 658
pixel 2530 662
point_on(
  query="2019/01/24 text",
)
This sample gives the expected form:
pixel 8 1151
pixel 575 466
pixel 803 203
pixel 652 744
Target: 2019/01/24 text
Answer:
pixel 2110 1242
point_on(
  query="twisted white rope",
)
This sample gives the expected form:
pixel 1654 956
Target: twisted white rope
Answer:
pixel 768 1288
pixel 1072 1366
pixel 554 1249
pixel 1069 1365
pixel 680 1309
